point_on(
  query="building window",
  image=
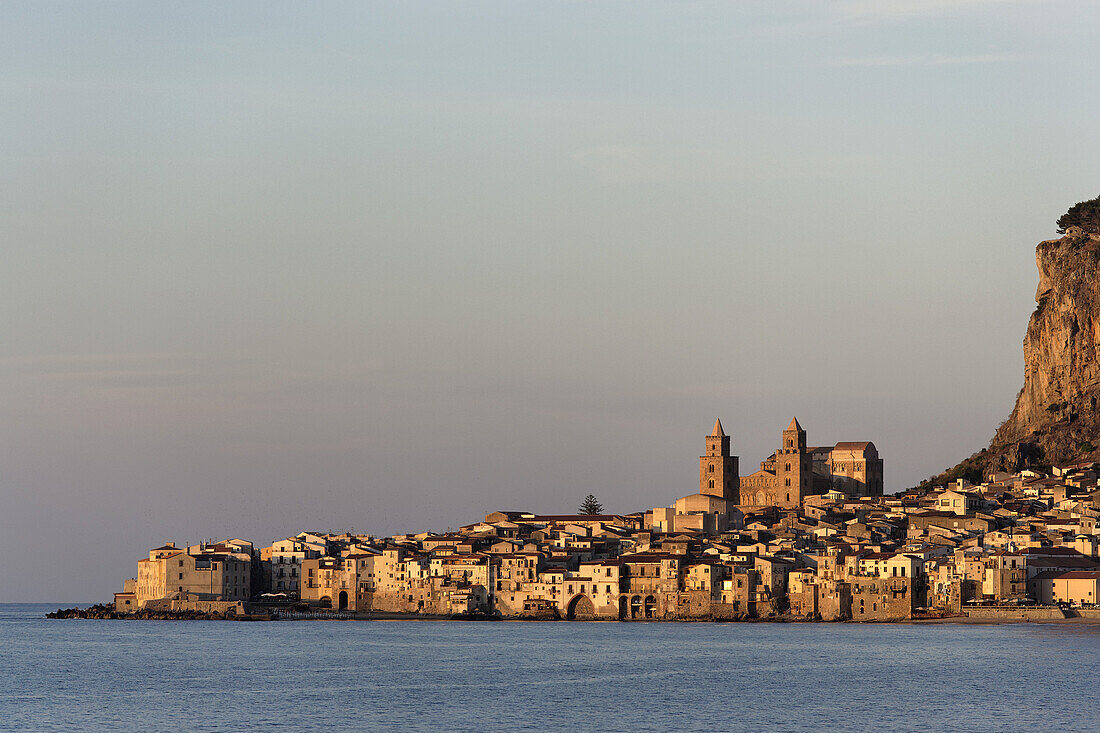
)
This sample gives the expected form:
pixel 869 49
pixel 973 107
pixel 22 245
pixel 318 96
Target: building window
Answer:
pixel 711 483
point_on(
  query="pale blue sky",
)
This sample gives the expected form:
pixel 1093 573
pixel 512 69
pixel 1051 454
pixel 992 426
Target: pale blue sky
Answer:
pixel 393 266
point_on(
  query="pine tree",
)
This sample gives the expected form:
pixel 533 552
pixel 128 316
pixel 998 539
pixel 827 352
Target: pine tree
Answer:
pixel 1084 214
pixel 590 506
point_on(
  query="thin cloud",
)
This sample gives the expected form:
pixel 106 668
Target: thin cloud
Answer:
pixel 872 10
pixel 53 360
pixel 614 164
pixel 923 60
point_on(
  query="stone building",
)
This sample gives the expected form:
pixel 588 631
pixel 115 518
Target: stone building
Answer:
pixel 170 572
pixel 704 513
pixel 786 477
pixel 795 471
pixel 852 468
pixel 740 591
pixel 329 582
pixel 1078 587
pixel 802 593
pixel 516 577
pixel 651 582
pixel 282 563
pixel 881 598
pixel 126 601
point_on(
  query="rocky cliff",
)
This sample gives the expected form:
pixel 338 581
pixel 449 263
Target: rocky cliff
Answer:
pixel 1055 420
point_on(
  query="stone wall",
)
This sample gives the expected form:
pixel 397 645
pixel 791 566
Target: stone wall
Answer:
pixel 987 613
pixel 693 604
pixel 726 612
pixel 221 607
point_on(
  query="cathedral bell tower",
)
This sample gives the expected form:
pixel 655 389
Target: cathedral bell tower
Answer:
pixel 793 467
pixel 718 469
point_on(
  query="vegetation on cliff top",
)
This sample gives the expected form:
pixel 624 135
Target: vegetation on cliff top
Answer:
pixel 1084 214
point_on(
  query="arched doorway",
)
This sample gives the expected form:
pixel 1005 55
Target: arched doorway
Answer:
pixel 325 602
pixel 636 607
pixel 580 607
pixel 623 610
pixel 343 600
pixel 650 606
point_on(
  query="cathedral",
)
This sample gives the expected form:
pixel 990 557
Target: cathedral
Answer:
pixel 792 472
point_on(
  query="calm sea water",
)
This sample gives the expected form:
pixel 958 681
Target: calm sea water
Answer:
pixel 444 676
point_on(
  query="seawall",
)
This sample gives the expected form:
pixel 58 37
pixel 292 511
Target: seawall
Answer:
pixel 1043 613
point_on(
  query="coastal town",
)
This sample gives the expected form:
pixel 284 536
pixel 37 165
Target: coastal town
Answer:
pixel 808 536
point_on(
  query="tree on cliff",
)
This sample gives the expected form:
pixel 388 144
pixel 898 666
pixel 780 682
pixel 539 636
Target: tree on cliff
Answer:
pixel 1084 214
pixel 590 506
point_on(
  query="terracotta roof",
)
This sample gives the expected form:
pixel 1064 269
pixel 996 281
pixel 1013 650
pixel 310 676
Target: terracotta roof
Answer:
pixel 1047 575
pixel 650 557
pixel 1050 551
pixel 576 517
pixel 1064 562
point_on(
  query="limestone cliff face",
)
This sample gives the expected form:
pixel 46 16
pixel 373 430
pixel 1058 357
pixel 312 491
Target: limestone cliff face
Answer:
pixel 1061 349
pixel 1055 420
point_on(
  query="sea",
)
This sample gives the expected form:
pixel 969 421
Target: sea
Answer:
pixel 86 675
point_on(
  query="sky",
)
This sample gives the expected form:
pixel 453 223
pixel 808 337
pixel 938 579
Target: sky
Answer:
pixel 387 267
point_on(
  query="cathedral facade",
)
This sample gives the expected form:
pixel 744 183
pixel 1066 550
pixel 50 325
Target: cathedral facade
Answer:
pixel 792 472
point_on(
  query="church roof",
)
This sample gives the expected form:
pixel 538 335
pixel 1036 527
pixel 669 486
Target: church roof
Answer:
pixel 718 432
pixel 794 424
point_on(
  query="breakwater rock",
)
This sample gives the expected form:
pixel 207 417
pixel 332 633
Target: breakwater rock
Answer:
pixel 107 611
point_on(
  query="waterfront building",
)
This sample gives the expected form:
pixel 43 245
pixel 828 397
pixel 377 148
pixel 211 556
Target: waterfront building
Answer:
pixel 198 573
pixel 740 547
